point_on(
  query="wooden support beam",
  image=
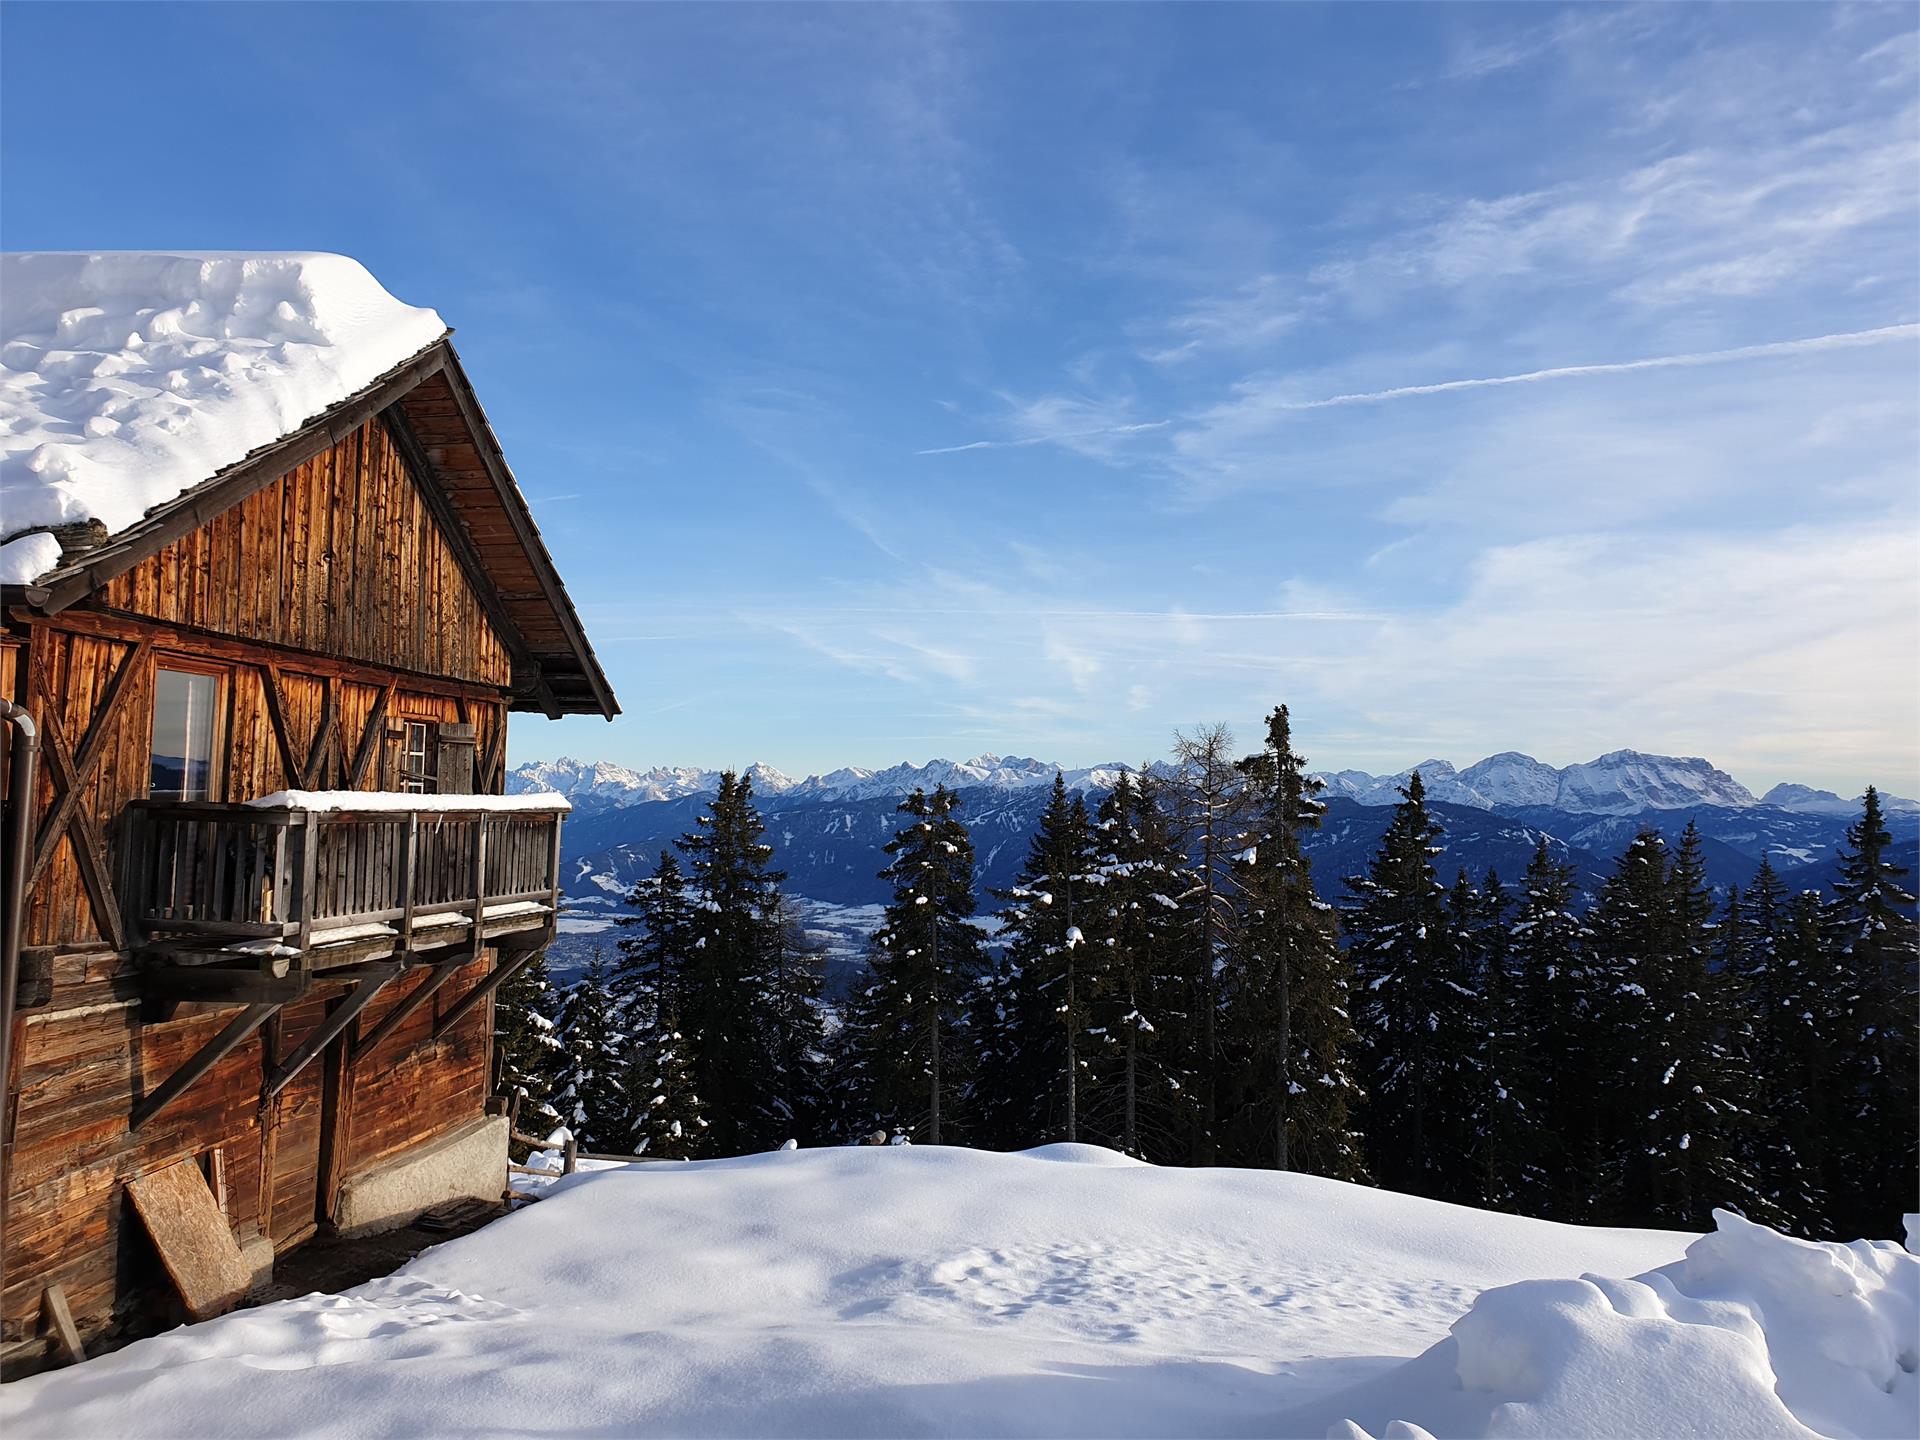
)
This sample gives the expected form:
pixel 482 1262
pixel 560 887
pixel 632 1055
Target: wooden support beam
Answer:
pixel 222 984
pixel 69 774
pixel 502 973
pixel 442 972
pixel 282 735
pixel 371 978
pixel 203 1060
pixel 370 737
pixel 59 1317
pixel 88 758
pixel 315 775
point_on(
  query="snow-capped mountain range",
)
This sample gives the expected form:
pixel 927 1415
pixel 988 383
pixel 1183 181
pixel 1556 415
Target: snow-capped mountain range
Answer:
pixel 1623 782
pixel 829 832
pixel 599 785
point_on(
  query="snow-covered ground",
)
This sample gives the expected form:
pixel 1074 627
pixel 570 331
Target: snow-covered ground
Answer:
pixel 922 1291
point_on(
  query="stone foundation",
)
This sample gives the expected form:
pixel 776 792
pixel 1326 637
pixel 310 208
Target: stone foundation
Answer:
pixel 470 1162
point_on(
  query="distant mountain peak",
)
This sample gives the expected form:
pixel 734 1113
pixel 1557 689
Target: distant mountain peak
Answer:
pixel 1620 782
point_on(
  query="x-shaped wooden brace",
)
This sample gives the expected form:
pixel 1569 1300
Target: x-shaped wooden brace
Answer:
pixel 309 773
pixel 70 774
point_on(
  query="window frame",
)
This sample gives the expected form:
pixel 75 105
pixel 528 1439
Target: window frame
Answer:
pixel 425 780
pixel 218 756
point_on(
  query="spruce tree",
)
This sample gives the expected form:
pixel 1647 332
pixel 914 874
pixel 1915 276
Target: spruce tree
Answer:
pixel 659 935
pixel 1142 1089
pixel 797 1026
pixel 1812 1006
pixel 665 1118
pixel 1693 1072
pixel 1035 1067
pixel 903 1041
pixel 588 1085
pixel 1547 948
pixel 1872 924
pixel 526 1051
pixel 725 981
pixel 1211 801
pixel 1284 1018
pixel 1507 1076
pixel 1414 1015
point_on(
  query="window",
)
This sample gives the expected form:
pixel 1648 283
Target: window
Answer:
pixel 186 707
pixel 416 758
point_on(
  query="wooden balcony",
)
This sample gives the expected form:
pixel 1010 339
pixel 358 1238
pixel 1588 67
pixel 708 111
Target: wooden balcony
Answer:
pixel 287 891
pixel 254 905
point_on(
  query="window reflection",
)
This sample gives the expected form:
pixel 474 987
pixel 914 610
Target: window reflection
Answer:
pixel 183 716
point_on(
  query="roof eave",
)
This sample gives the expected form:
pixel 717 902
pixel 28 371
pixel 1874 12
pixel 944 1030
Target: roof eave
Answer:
pixel 66 586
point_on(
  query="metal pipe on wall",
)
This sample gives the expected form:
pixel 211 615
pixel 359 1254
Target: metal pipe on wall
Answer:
pixel 23 765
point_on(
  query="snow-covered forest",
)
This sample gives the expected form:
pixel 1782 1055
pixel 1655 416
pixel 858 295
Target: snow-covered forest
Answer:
pixel 1168 978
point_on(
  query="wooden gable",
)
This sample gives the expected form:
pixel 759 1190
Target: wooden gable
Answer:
pixel 343 556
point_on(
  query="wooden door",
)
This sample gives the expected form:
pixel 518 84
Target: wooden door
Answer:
pixel 291 1170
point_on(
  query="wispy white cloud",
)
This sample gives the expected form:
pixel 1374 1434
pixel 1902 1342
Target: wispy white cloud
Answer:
pixel 1772 652
pixel 1093 426
pixel 1070 439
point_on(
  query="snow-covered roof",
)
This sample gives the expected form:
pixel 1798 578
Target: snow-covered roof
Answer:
pixel 128 378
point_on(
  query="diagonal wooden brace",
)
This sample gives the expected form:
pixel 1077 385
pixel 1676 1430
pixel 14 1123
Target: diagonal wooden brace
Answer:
pixel 442 972
pixel 371 978
pixel 203 1060
pixel 502 973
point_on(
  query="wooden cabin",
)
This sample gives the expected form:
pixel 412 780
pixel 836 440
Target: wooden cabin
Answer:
pixel 288 1004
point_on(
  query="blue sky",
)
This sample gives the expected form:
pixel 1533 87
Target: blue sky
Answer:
pixel 893 382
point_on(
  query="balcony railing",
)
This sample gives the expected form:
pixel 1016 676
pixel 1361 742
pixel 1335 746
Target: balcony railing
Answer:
pixel 323 887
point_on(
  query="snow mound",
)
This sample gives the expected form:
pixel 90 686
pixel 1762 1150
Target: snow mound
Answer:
pixel 853 1291
pixel 126 379
pixel 1753 1333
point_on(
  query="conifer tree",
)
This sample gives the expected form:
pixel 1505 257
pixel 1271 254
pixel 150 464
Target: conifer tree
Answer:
pixel 1695 1073
pixel 588 1086
pixel 1415 1015
pixel 1872 924
pixel 526 1051
pixel 1547 949
pixel 1808 993
pixel 797 1026
pixel 1211 802
pixel 1143 1088
pixel 1035 1067
pixel 1779 1018
pixel 1632 940
pixel 659 935
pixel 1507 1073
pixel 904 1039
pixel 1285 1020
pixel 665 1116
pixel 725 981
pixel 1678 1121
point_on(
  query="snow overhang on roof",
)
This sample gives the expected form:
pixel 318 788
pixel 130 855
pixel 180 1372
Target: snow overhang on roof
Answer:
pixel 140 394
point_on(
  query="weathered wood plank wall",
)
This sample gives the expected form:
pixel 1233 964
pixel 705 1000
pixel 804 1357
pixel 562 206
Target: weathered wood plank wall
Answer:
pixel 68 1221
pixel 341 558
pixel 339 610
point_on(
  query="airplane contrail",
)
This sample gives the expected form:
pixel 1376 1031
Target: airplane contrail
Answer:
pixel 1844 341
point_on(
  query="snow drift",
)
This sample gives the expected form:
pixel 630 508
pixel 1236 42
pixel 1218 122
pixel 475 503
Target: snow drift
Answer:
pixel 1067 1291
pixel 865 1291
pixel 1753 1333
pixel 128 378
